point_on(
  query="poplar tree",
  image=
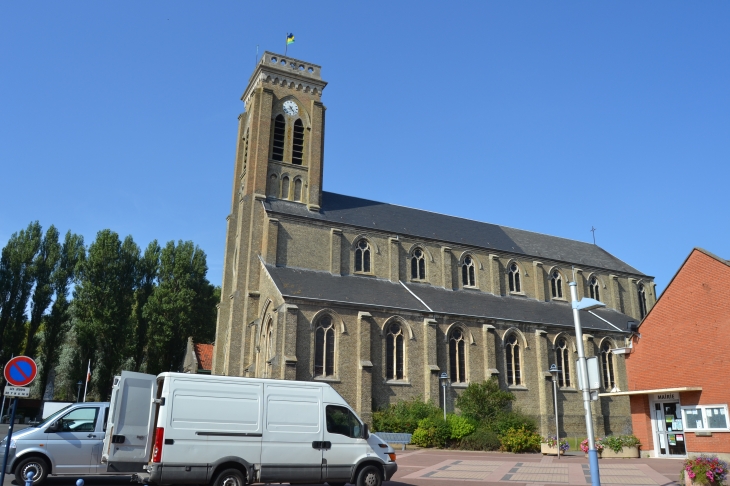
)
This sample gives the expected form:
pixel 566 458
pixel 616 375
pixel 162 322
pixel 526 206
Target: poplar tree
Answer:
pixel 103 301
pixel 147 270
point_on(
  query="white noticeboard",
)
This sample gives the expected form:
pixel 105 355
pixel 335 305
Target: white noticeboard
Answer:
pixel 594 377
pixel 17 391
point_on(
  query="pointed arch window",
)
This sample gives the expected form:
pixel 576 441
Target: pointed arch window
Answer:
pixel 418 265
pixel 594 288
pixel 512 352
pixel 362 256
pixel 297 189
pixel 394 353
pixel 285 187
pixel 609 378
pixel 297 143
pixel 324 347
pixel 468 277
pixel 556 285
pixel 642 301
pixel 273 186
pixel 514 278
pixel 457 358
pixel 563 362
pixel 277 149
pixel 267 351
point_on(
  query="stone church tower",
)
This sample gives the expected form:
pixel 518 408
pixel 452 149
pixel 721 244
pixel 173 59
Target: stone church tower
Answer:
pixel 378 300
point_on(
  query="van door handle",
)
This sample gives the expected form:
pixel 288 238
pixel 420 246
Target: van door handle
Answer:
pixel 326 445
pixel 91 436
pixel 317 444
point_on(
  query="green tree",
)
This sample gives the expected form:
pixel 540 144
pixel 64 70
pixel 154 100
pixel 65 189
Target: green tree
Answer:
pixel 484 401
pixel 16 283
pixel 45 264
pixel 103 302
pixel 147 269
pixel 57 323
pixel 182 305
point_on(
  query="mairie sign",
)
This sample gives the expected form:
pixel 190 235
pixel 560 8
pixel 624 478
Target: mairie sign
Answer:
pixel 20 371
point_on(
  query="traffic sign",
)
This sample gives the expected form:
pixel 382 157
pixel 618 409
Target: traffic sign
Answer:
pixel 20 371
pixel 17 391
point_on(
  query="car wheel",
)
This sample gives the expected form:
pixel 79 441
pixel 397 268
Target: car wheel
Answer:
pixel 369 476
pixel 37 465
pixel 230 477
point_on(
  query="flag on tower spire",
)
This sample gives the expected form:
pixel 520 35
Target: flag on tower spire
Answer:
pixel 289 40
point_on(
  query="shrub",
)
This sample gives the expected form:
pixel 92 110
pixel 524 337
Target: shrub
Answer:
pixel 482 439
pixel 520 440
pixel 431 432
pixel 483 401
pixel 705 469
pixel 404 415
pixel 513 419
pixel 460 426
pixel 618 442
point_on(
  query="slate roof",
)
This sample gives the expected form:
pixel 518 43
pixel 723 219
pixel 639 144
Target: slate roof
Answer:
pixel 363 213
pixel 369 291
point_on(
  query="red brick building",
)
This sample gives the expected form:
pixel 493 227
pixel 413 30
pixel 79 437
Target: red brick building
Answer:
pixel 679 366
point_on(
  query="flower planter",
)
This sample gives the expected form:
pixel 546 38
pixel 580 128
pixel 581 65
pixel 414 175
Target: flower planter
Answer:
pixel 625 453
pixel 599 454
pixel 549 451
pixel 689 482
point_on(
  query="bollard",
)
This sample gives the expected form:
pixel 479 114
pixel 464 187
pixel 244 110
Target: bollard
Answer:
pixel 79 482
pixel 29 478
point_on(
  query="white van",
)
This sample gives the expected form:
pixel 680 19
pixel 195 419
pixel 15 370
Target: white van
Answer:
pixel 179 428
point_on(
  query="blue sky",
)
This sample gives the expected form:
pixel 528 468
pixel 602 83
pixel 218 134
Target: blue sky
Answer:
pixel 546 116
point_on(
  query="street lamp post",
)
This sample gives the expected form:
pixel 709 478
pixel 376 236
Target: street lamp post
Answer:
pixel 585 304
pixel 444 379
pixel 554 371
pixel 78 391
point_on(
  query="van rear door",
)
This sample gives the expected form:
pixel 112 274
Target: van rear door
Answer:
pixel 130 428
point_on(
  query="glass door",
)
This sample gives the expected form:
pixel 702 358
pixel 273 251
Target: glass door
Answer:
pixel 669 429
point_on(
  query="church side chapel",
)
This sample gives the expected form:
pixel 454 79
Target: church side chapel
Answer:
pixel 378 300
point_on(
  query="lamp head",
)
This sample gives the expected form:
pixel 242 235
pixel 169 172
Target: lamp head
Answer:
pixel 588 304
pixel 554 370
pixel 444 379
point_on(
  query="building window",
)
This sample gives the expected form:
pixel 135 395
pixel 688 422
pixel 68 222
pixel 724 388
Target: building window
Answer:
pixel 273 186
pixel 362 256
pixel 514 278
pixel 609 377
pixel 594 288
pixel 418 265
pixel 642 301
pixel 277 150
pixel 297 143
pixel 467 272
pixel 266 348
pixel 556 285
pixel 395 344
pixel 324 348
pixel 297 189
pixel 512 351
pixel 563 362
pixel 457 358
pixel 706 417
pixel 285 187
pixel 245 153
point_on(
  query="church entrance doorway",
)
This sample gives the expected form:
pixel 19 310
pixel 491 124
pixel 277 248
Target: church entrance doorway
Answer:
pixel 668 427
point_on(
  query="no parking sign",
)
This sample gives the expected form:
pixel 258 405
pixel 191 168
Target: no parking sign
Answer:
pixel 20 371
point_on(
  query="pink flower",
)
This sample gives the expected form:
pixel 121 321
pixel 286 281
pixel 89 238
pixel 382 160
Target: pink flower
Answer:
pixel 691 475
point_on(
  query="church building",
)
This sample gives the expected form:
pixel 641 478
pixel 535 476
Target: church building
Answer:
pixel 378 300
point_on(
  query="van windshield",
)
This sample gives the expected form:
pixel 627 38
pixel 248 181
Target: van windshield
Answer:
pixel 49 420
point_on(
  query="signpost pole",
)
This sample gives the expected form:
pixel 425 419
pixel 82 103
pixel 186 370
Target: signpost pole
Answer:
pixel 7 444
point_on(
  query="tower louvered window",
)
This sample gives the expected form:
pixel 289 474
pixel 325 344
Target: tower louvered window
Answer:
pixel 563 363
pixel 394 353
pixel 467 272
pixel 457 359
pixel 277 152
pixel 298 143
pixel 512 352
pixel 324 348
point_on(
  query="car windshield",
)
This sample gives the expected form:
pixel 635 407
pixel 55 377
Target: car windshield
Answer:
pixel 49 420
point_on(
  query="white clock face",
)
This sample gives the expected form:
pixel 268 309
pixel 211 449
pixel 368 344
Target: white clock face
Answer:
pixel 290 108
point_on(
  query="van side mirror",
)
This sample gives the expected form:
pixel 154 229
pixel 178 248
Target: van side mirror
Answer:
pixel 54 427
pixel 365 431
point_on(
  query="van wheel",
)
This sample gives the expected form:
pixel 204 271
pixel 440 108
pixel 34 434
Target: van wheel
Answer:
pixel 369 476
pixel 37 465
pixel 230 477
